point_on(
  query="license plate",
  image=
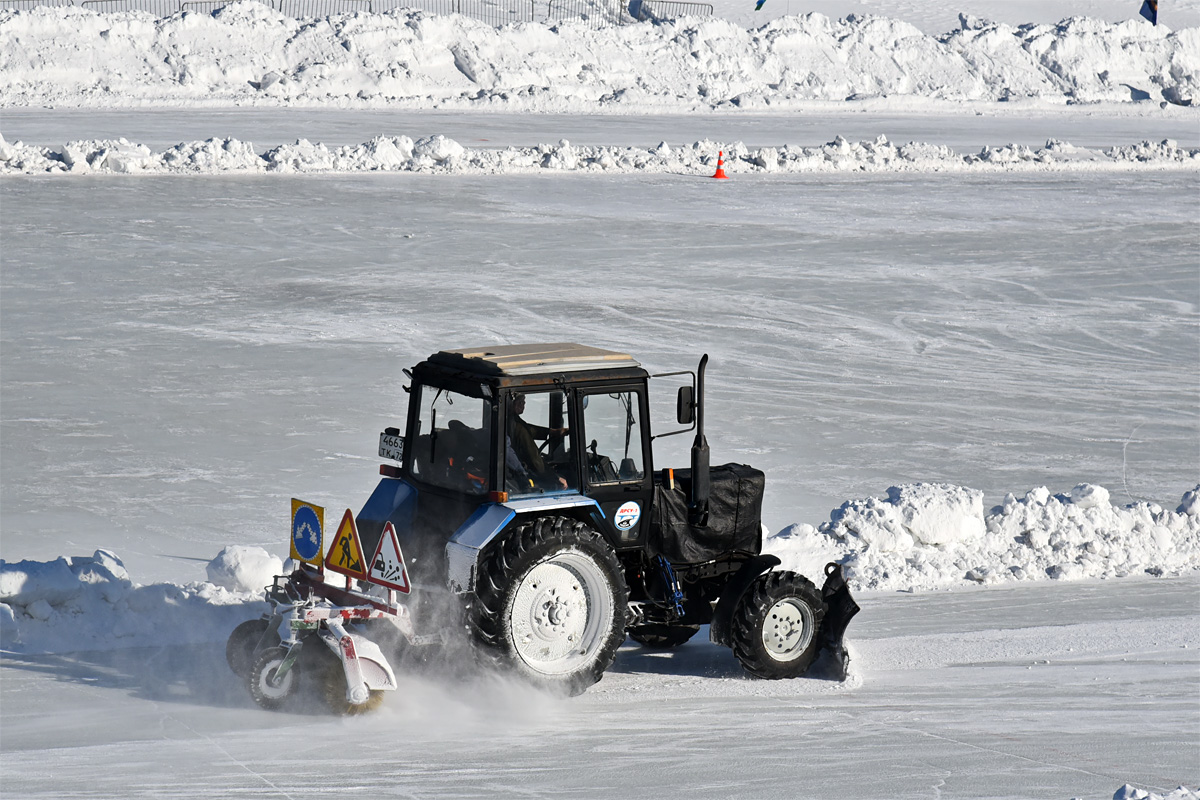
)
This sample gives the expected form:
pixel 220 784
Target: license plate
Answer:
pixel 391 447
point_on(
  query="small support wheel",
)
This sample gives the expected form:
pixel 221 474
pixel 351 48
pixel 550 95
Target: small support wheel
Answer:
pixel 239 649
pixel 268 689
pixel 775 625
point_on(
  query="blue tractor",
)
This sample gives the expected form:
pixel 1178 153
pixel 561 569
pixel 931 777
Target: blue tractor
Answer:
pixel 525 497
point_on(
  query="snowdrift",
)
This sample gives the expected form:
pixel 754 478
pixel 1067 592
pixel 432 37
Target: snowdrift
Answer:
pixel 932 536
pixel 921 537
pixel 438 154
pixel 90 603
pixel 249 54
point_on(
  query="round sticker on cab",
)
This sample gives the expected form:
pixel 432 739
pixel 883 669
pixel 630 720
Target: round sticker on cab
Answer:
pixel 627 515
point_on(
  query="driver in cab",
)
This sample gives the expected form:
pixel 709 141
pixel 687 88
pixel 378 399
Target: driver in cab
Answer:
pixel 522 456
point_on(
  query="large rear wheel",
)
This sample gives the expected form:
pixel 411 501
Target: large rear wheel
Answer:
pixel 775 625
pixel 551 602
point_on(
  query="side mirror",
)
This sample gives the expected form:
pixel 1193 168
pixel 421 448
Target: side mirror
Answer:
pixel 685 405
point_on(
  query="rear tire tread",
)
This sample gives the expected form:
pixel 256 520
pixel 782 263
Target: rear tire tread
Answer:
pixel 518 552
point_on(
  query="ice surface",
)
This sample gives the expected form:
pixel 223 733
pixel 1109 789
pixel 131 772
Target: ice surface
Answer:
pixel 177 366
pixel 1043 690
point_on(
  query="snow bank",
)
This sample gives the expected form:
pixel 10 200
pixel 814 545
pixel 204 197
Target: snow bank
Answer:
pixel 244 569
pixel 1129 792
pixel 438 154
pixel 920 537
pixel 82 603
pixel 247 53
pixel 929 536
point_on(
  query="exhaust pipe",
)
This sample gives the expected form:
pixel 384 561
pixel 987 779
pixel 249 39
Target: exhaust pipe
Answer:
pixel 698 507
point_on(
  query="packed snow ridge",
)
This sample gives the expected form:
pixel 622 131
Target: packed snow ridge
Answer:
pixel 90 602
pixel 438 154
pixel 1130 792
pixel 920 537
pixel 248 54
pixel 931 536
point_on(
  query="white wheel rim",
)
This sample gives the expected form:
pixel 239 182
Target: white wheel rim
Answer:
pixel 271 689
pixel 788 629
pixel 560 613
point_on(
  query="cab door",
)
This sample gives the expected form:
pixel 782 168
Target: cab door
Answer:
pixel 616 459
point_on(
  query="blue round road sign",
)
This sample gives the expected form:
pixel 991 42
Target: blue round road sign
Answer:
pixel 306 533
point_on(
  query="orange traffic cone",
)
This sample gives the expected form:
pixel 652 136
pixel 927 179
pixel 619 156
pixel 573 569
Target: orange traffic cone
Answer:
pixel 720 173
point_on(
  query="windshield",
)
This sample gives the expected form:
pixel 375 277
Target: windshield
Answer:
pixel 613 428
pixel 453 440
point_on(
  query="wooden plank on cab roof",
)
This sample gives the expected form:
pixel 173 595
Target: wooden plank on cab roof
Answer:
pixel 528 359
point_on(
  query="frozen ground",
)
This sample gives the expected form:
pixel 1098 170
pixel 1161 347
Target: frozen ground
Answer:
pixel 160 129
pixel 1047 691
pixel 176 367
pixel 180 354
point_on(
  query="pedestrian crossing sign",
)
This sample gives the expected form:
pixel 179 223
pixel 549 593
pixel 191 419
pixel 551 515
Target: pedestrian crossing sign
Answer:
pixel 345 554
pixel 308 532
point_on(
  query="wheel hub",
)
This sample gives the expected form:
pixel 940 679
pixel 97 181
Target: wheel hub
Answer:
pixel 558 614
pixel 273 685
pixel 788 629
pixel 549 612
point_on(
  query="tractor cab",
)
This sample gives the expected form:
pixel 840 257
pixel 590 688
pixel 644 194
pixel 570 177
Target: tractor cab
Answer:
pixel 532 424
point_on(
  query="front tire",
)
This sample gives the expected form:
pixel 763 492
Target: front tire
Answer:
pixel 551 603
pixel 775 625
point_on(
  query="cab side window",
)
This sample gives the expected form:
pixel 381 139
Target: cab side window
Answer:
pixel 612 427
pixel 537 443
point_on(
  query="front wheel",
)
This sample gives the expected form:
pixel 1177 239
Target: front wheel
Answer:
pixel 775 625
pixel 551 602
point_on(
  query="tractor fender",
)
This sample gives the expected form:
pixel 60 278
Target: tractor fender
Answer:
pixel 488 522
pixel 394 500
pixel 722 619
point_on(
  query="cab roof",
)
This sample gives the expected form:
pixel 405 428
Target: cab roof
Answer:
pixel 533 359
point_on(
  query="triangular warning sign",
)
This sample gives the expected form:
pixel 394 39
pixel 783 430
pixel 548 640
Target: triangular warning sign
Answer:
pixel 345 555
pixel 387 565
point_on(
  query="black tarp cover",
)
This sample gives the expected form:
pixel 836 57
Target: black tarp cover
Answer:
pixel 734 522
